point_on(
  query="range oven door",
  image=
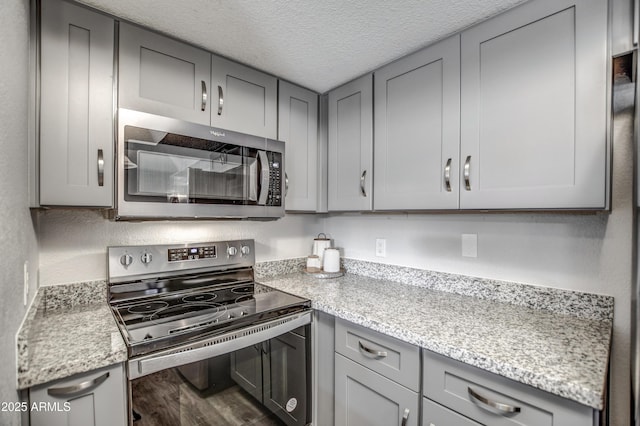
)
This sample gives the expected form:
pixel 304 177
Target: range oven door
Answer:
pixel 171 169
pixel 260 375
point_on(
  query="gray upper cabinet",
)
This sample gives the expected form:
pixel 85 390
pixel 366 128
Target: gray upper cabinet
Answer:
pixel 533 108
pixel 97 398
pixel 350 150
pixel 76 111
pixel 417 130
pixel 162 76
pixel 243 99
pixel 298 128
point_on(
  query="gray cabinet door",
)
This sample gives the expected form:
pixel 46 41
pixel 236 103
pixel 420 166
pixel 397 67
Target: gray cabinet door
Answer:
pixel 76 107
pixel 100 402
pixel 533 108
pixel 285 388
pixel 364 397
pixel 436 415
pixel 417 130
pixel 246 369
pixel 243 99
pixel 298 128
pixel 350 147
pixel 162 76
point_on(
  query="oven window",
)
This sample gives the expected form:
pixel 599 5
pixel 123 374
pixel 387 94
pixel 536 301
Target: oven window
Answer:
pixel 169 168
pixel 263 384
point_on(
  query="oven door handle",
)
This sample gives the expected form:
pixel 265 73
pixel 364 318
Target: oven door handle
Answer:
pixel 265 173
pixel 217 345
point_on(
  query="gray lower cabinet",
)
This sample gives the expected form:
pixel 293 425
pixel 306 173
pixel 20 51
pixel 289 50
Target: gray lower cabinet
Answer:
pixel 493 400
pixel 89 399
pixel 350 147
pixel 364 397
pixel 298 128
pixel 436 415
pixel 76 141
pixel 246 369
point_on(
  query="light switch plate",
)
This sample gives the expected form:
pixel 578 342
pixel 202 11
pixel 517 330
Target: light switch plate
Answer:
pixel 469 245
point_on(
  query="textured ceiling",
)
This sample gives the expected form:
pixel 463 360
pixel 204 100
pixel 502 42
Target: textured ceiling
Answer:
pixel 318 44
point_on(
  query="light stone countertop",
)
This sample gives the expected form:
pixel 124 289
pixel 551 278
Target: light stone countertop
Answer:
pixel 566 355
pixel 69 329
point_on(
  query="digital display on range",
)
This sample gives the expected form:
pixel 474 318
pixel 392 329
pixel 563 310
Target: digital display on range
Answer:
pixel 191 253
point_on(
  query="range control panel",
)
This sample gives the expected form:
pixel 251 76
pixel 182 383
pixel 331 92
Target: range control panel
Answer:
pixel 191 253
pixel 129 263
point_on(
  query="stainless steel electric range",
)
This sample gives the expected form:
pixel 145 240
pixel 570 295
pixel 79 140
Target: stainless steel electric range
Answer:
pixel 196 329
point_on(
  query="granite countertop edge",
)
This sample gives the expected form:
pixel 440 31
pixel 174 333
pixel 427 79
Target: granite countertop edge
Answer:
pixel 42 358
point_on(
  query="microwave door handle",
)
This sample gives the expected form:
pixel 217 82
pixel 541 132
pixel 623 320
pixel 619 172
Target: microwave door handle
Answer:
pixel 264 178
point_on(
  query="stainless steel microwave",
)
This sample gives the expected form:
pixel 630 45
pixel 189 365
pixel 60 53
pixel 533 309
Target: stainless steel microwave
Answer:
pixel 171 169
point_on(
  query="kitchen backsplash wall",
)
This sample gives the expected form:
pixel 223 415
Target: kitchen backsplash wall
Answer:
pixel 73 242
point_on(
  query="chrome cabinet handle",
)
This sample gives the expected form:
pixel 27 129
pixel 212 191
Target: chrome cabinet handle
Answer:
pixel 220 100
pixel 369 352
pixel 491 406
pixel 447 175
pixel 204 96
pixel 362 189
pixel 100 168
pixel 467 173
pixel 69 390
pixel 286 184
pixel 405 417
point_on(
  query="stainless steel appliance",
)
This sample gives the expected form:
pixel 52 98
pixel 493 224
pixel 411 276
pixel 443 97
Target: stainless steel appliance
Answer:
pixel 169 168
pixel 196 324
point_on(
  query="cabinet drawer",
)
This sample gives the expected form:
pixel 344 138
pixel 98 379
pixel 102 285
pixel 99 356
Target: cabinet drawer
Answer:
pixel 390 357
pixel 96 398
pixel 436 415
pixel 470 391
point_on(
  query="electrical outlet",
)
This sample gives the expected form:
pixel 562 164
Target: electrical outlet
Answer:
pixel 470 245
pixel 381 247
pixel 26 281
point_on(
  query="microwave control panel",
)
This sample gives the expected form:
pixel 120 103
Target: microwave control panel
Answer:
pixel 275 179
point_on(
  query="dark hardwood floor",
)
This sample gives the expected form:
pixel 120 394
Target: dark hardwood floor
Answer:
pixel 167 399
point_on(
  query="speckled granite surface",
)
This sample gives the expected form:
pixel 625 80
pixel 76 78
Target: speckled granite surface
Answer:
pixel 583 305
pixel 69 329
pixel 566 355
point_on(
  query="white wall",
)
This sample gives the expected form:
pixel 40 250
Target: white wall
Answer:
pixel 16 228
pixel 73 243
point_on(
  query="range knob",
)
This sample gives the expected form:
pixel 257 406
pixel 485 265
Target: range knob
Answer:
pixel 126 260
pixel 146 258
pixel 232 251
pixel 245 250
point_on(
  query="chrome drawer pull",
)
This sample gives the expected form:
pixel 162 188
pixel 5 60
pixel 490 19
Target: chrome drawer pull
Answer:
pixel 371 352
pixel 467 173
pixel 492 406
pixel 204 96
pixel 362 189
pixel 447 175
pixel 100 168
pixel 70 390
pixel 405 417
